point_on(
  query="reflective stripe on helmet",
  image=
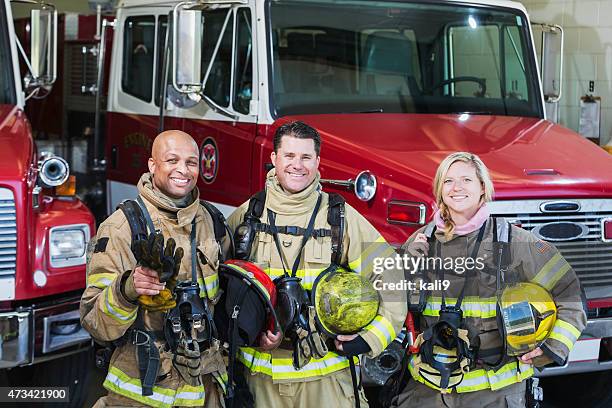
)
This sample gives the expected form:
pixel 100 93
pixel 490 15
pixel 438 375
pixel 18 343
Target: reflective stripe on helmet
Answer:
pixel 282 368
pixel 565 333
pixel 481 379
pixel 552 272
pixel 109 307
pixel 120 383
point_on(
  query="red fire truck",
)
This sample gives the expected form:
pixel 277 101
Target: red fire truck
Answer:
pixel 44 228
pixel 393 87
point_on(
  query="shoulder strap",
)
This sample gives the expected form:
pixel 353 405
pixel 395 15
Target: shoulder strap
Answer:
pixel 220 227
pixel 430 229
pixel 218 219
pixel 256 204
pixel 335 218
pixel 502 234
pixel 135 218
pixel 503 230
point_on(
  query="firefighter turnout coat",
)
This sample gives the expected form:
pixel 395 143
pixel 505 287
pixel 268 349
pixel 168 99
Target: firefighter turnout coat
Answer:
pixel 362 244
pixel 107 313
pixel 531 260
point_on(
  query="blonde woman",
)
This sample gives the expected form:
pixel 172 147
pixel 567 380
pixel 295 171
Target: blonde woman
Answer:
pixel 484 374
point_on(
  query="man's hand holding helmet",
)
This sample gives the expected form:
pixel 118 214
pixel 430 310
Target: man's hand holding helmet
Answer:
pixel 156 274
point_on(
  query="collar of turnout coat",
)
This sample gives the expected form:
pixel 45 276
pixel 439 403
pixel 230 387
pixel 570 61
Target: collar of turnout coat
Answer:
pixel 282 202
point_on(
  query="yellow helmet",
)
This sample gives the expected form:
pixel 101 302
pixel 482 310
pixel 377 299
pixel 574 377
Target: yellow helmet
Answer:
pixel 345 302
pixel 527 315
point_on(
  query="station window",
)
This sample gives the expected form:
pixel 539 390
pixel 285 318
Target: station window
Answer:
pixel 138 57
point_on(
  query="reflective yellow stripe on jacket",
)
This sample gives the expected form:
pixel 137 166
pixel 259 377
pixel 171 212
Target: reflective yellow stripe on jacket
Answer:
pixel 565 333
pixel 482 379
pixel 212 286
pixel 110 307
pixel 120 383
pixel 282 368
pixel 307 276
pixel 472 306
pixel 552 272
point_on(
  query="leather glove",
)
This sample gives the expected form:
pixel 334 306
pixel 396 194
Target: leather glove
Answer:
pixel 309 343
pixel 166 261
pixel 187 360
pixel 416 248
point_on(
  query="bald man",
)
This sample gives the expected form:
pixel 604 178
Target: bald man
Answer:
pixel 125 301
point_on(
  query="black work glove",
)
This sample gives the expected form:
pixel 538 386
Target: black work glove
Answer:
pixel 152 254
pixel 355 347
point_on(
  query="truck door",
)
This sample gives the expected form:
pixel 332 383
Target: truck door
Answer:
pixel 224 134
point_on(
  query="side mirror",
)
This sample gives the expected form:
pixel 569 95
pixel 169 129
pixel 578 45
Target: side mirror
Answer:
pixel 187 31
pixel 43 48
pixel 552 62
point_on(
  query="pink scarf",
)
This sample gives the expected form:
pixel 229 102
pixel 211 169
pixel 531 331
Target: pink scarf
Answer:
pixel 472 225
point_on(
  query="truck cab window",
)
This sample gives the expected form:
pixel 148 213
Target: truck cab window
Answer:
pixel 474 54
pixel 7 85
pixel 218 83
pixel 162 26
pixel 243 71
pixel 516 83
pixel 400 57
pixel 138 57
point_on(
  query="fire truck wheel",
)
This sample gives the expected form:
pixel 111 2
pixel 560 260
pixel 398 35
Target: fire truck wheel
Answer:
pixel 71 371
pixel 579 390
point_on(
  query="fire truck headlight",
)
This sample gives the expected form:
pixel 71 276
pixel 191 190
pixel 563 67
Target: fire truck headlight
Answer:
pixel 365 186
pixel 67 245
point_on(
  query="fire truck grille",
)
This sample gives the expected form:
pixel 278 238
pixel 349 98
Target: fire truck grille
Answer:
pixel 8 233
pixel 589 255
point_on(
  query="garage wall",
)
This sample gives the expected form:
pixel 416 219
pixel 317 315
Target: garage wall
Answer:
pixel 588 54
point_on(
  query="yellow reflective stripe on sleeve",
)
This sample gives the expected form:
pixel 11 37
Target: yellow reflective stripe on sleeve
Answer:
pixel 567 326
pixel 109 307
pixel 282 368
pixel 472 306
pixel 120 383
pixel 481 379
pixel 212 286
pixel 378 249
pixel 100 280
pixel 565 333
pixel 552 272
pixel 382 329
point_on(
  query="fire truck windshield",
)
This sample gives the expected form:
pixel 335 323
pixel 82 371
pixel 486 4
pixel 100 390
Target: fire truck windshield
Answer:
pixel 7 84
pixel 399 57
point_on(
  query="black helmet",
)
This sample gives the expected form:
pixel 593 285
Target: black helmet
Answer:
pixel 249 296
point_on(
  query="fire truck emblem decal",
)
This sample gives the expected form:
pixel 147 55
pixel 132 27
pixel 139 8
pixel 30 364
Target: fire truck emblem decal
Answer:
pixel 209 158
